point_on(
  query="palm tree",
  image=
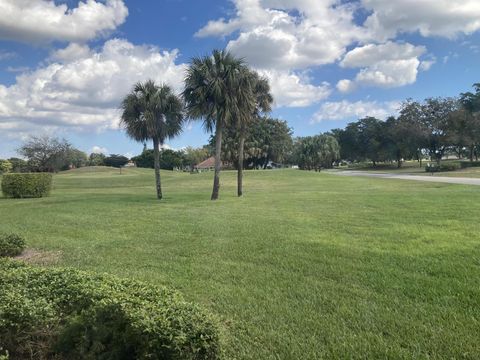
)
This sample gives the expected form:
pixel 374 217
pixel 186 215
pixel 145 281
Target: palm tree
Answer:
pixel 212 94
pixel 152 112
pixel 255 99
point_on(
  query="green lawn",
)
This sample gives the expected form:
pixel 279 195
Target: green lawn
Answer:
pixel 473 172
pixel 307 265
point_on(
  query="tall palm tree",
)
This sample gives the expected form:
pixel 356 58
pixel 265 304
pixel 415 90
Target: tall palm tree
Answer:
pixel 254 100
pixel 152 112
pixel 211 93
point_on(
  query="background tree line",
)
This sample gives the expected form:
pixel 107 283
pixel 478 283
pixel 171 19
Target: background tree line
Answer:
pixel 423 129
pixel 52 154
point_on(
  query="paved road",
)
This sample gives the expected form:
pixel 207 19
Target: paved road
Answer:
pixel 429 178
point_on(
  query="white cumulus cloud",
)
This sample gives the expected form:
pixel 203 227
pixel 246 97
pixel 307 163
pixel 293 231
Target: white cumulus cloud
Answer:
pixel 346 110
pixel 446 18
pixel 384 65
pixel 298 35
pixel 291 89
pixel 99 150
pixel 84 93
pixel 44 20
pixel 272 35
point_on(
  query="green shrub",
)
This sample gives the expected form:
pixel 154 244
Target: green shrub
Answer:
pixel 469 164
pixel 71 314
pixel 11 244
pixel 26 185
pixel 432 168
pixel 5 166
pixel 3 355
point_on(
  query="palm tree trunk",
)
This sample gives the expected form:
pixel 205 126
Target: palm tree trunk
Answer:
pixel 156 164
pixel 218 160
pixel 241 145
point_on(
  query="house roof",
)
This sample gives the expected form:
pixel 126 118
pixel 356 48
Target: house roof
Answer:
pixel 206 164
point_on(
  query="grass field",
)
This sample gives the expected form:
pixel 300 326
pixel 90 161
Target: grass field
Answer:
pixel 307 265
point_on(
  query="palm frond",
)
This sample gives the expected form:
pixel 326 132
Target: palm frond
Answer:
pixel 151 111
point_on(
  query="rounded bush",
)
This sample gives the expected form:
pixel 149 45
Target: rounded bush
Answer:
pixel 70 314
pixel 431 168
pixel 26 185
pixel 11 244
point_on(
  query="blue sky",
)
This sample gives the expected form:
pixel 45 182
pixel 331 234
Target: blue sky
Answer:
pixel 65 65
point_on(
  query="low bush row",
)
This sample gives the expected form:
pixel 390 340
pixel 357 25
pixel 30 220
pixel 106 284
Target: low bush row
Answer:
pixel 58 313
pixel 432 168
pixel 26 185
pixel 11 244
pixel 469 164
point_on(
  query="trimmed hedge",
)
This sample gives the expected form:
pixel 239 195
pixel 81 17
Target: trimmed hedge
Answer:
pixel 11 244
pixel 26 185
pixel 71 314
pixel 431 168
pixel 469 164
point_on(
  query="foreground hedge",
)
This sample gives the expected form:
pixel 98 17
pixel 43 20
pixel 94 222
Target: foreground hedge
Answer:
pixel 11 244
pixel 69 314
pixel 26 185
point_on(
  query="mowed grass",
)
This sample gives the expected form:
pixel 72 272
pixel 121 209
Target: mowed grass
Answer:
pixel 307 265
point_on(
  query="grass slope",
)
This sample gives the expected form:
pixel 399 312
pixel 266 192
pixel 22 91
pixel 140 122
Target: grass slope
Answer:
pixel 305 266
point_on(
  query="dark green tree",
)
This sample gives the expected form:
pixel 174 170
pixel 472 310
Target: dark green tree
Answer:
pixel 316 152
pixel 466 122
pixel 116 160
pixel 266 140
pixel 18 165
pixel 96 159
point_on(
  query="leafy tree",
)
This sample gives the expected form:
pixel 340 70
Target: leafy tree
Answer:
pixel 115 160
pixel 152 112
pixel 349 142
pixel 316 152
pixel 212 93
pixel 5 166
pixel 96 159
pixel 74 158
pixel 433 116
pixel 145 160
pixel 194 156
pixel 267 140
pixel 466 122
pixel 19 165
pixel 401 140
pixel 171 160
pixel 45 153
pixel 371 138
pixel 362 140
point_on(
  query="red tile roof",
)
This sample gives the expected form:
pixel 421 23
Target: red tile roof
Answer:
pixel 206 164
